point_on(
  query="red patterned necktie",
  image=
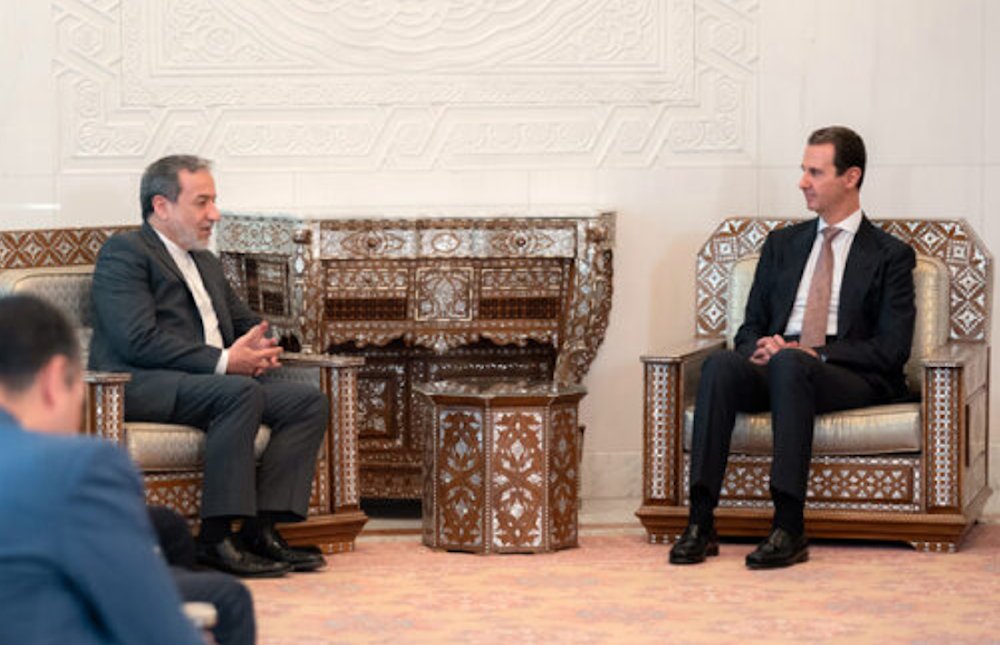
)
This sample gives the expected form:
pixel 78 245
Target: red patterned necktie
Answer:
pixel 818 301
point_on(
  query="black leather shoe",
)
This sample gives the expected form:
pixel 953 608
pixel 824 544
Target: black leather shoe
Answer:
pixel 268 542
pixel 232 556
pixel 780 549
pixel 694 545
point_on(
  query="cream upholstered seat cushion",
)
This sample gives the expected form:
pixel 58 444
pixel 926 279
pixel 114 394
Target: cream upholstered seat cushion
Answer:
pixel 875 430
pixel 167 447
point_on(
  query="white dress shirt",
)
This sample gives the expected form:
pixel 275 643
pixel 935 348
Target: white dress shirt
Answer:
pixel 209 319
pixel 841 246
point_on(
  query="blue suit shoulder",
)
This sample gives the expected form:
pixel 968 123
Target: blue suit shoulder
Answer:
pixel 40 471
pixel 75 456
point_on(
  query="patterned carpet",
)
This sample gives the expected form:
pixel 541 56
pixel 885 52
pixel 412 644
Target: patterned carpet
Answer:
pixel 618 589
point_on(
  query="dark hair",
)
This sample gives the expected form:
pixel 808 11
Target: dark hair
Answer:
pixel 161 178
pixel 848 148
pixel 33 332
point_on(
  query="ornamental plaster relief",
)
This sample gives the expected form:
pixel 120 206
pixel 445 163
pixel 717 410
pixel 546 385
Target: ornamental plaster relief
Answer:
pixel 405 84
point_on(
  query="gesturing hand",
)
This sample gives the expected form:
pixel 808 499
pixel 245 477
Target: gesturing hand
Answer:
pixel 254 353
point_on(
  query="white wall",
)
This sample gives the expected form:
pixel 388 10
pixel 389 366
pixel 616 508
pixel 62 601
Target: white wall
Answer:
pixel 676 113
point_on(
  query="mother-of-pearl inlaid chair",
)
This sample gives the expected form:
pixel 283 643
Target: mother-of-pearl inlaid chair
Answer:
pixel 57 265
pixel 915 471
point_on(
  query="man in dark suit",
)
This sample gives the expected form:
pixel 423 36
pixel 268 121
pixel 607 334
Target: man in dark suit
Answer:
pixel 78 560
pixel 829 324
pixel 235 622
pixel 164 312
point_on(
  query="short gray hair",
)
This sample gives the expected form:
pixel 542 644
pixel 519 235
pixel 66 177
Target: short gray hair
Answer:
pixel 161 178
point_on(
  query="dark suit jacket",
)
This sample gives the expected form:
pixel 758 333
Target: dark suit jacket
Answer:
pixel 146 321
pixel 876 314
pixel 77 554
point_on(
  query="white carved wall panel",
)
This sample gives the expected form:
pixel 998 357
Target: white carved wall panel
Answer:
pixel 405 84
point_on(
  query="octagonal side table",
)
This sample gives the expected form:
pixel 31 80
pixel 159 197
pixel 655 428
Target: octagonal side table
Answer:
pixel 501 465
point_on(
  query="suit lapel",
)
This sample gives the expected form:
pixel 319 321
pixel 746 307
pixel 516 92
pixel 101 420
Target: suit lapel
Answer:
pixel 208 278
pixel 159 250
pixel 214 287
pixel 793 267
pixel 861 264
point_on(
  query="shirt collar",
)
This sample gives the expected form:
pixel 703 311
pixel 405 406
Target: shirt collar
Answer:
pixel 176 252
pixel 850 225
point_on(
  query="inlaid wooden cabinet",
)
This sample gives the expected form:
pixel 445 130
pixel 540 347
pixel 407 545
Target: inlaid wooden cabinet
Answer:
pixel 428 298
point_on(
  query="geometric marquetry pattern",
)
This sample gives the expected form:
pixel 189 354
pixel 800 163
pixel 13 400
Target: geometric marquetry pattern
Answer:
pixel 105 415
pixel 969 265
pixel 950 241
pixel 439 283
pixel 180 492
pixel 346 467
pixel 563 475
pixel 935 547
pixel 519 473
pixel 53 247
pixel 941 396
pixel 462 504
pixel 503 473
pixel 589 312
pixel 889 484
pixel 661 398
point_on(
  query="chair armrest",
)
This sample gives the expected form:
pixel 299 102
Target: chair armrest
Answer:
pixel 338 380
pixel 106 378
pixel 955 414
pixel 203 615
pixel 698 348
pixel 669 379
pixel 104 401
pixel 298 359
pixel 971 358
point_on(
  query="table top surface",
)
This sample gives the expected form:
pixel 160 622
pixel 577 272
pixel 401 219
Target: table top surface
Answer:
pixel 492 388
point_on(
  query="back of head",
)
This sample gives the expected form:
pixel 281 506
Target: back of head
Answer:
pixel 849 148
pixel 32 332
pixel 161 178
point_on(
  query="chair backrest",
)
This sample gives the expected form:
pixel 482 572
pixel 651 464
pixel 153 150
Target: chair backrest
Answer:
pixel 951 242
pixel 66 287
pixel 932 295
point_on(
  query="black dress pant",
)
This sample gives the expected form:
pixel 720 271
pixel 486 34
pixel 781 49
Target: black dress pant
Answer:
pixel 230 409
pixel 236 624
pixel 794 386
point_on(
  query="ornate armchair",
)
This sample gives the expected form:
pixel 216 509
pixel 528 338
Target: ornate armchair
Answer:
pixel 57 265
pixel 915 471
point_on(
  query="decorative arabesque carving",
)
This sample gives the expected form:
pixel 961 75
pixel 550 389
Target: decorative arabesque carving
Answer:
pixel 590 306
pixel 357 85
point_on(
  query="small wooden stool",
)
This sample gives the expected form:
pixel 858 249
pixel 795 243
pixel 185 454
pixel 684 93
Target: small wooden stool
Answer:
pixel 501 465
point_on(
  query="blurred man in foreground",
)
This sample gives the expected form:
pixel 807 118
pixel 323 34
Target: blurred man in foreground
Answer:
pixel 78 559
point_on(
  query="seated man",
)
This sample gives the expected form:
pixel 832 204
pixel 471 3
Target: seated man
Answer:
pixel 829 324
pixel 164 312
pixel 235 623
pixel 78 561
